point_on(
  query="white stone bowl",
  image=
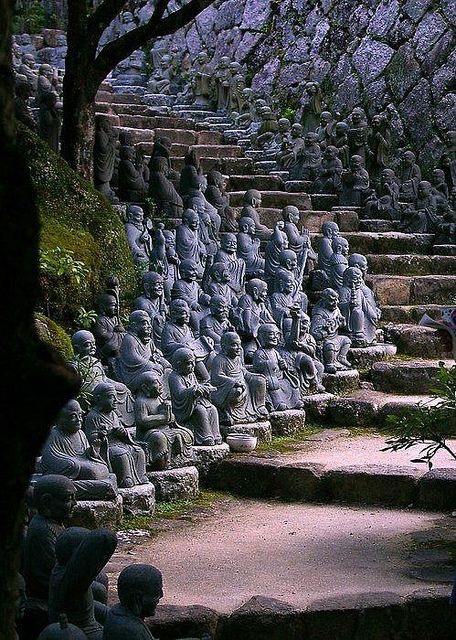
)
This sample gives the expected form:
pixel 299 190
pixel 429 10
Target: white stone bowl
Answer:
pixel 241 442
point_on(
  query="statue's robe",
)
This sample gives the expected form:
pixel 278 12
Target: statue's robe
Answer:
pixel 236 268
pixel 135 358
pixel 248 250
pixel 282 386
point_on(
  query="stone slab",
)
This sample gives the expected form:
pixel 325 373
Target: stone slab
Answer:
pixel 206 458
pixel 262 430
pixel 438 490
pixel 365 357
pixel 341 382
pixel 101 513
pixel 175 484
pixel 139 499
pixel 413 340
pixel 405 376
pixel 287 423
pixel 316 404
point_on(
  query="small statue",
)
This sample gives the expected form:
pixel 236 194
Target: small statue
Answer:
pixel 422 216
pixel 321 276
pixel 139 588
pixel 248 248
pixel 28 69
pixel 104 155
pixel 379 146
pixel 47 82
pixel 210 220
pixel 448 160
pixel 300 352
pixel 285 297
pixel 138 352
pixel 191 400
pixel 188 243
pixel 161 189
pixel 164 259
pixel 126 457
pixel 81 555
pixel 201 80
pixel 440 189
pixel 54 497
pixel 308 159
pixel 162 149
pixel 361 318
pixel 267 130
pixel 409 177
pixel 222 84
pixel 138 236
pixel 296 241
pixel 219 283
pixel 282 384
pixel 338 262
pixel 373 312
pixel 355 183
pixel 247 113
pixel 313 106
pixel 274 247
pixel 326 322
pixel 168 444
pixel 67 452
pixel 92 373
pixel 22 112
pixel 217 197
pixel 237 86
pixel 283 134
pixel 108 330
pixel 62 630
pixel 177 334
pixel 187 288
pixel 384 204
pixel 190 170
pixel 228 255
pixel 252 203
pixel 216 323
pixel 153 302
pixel 240 395
pixel 291 147
pixel 49 120
pixel 254 310
pixel 340 141
pixel 329 180
pixel 132 187
pixel 358 134
pixel 325 129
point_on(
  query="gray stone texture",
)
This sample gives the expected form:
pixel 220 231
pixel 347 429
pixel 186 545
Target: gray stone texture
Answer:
pixel 175 484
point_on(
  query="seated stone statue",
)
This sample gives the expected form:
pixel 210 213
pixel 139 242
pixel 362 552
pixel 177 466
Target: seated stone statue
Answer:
pixel 104 155
pixel 384 204
pixel 290 216
pixel 210 220
pixel 374 312
pixel 54 497
pixel 288 262
pixel 277 242
pixel 153 302
pixel 361 318
pixel 340 141
pixel 409 177
pixel 252 202
pixel 22 112
pixel 190 170
pixel 253 311
pixel 138 236
pixel 422 216
pixel 248 248
pixel 168 444
pixel 162 149
pixel 300 352
pixel 49 120
pixel 80 556
pixel 132 187
pixel 290 147
pixel 201 79
pixel 188 243
pixel 187 288
pixel 217 197
pixel 308 159
pixel 138 352
pixel 240 395
pixel 126 457
pixel 161 189
pixel 329 230
pixel 247 114
pixel 228 255
pixel 216 323
pixel 286 297
pixel 108 330
pixel 338 262
pixel 92 373
pixel 325 129
pixel 139 588
pixel 282 383
pixel 177 334
pixel 28 69
pixel 67 452
pixel 267 130
pixel 355 183
pixel 326 322
pixel 191 400
pixel 328 180
pixel 218 283
pixel 164 259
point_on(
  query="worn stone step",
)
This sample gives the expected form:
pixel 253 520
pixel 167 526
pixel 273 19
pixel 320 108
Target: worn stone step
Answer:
pixel 225 165
pixel 260 156
pixel 103 96
pixel 265 166
pixel 205 126
pixel 444 249
pixel 261 183
pixel 130 109
pixel 405 376
pixel 295 186
pixel 413 340
pixel 377 226
pixel 275 199
pixel 179 136
pixel 142 137
pixel 411 264
pixel 113 118
pixel 409 290
pixel 363 358
pixel 122 96
pixel 177 150
pixel 323 201
pixel 389 243
pixel 409 314
pixel 137 121
pixel 158 99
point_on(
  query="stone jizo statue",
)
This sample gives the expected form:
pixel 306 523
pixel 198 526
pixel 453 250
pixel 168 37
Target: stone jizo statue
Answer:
pixel 326 323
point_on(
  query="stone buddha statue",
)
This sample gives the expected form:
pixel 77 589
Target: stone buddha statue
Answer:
pixel 132 187
pixel 253 311
pixel 338 261
pixel 355 183
pixel 218 283
pixel 248 248
pixel 409 177
pixel 308 159
pixel 28 69
pixel 384 203
pixel 217 197
pixel 49 120
pixel 239 395
pixel 326 322
pixel 22 112
pixel 188 243
pixel 191 400
pixel 228 255
pixel 162 190
pixel 361 317
pixel 252 203
pixel 104 155
pixel 187 288
pixel 329 180
pixel 201 80
pixel 340 141
pixel 290 147
pixel 108 330
pixel 217 322
pixel 153 302
pixel 125 456
pixel 358 134
pixel 138 237
pixel 67 452
pixel 168 444
pixel 277 242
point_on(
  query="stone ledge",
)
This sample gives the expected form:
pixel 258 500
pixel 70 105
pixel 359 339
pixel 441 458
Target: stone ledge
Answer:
pixel 93 514
pixel 262 430
pixel 341 382
pixel 139 499
pixel 367 356
pixel 206 458
pixel 287 423
pixel 175 484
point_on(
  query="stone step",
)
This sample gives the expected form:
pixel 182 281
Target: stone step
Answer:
pixel 408 290
pixel 158 99
pixel 265 166
pixel 205 126
pixel 104 96
pixel 260 156
pixel 409 314
pixel 323 201
pixel 295 186
pixel 377 226
pixel 179 136
pixel 275 199
pixel 177 150
pixel 130 109
pixel 405 376
pixel 413 340
pixel 412 264
pixel 389 243
pixel 261 183
pixel 311 220
pixel 444 249
pixel 363 358
pixel 142 137
pixel 225 165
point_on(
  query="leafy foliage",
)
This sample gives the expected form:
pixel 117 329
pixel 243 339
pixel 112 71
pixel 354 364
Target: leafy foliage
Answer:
pixel 59 273
pixel 85 318
pixel 431 425
pixel 29 16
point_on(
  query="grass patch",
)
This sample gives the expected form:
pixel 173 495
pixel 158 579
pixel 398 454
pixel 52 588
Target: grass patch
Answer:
pixel 284 444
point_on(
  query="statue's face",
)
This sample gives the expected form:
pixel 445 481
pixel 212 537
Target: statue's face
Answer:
pixel 170 241
pixel 361 264
pixel 193 221
pixel 181 315
pixel 286 284
pixel 260 293
pixel 60 505
pixel 108 400
pixel 408 158
pixel 248 227
pixel 190 272
pixel 186 364
pixel 229 243
pixel 355 164
pixel 271 337
pixel 356 280
pixel 331 153
pixel 308 139
pixel 293 216
pixel 424 189
pixel 304 325
pixel 450 138
pixel 29 61
pixel 70 419
pixel 111 308
pixel 136 217
pixel 311 88
pixel 152 388
pixel 220 309
pixel 87 347
pixel 233 347
pixel 202 57
pixel 155 289
pixel 331 301
pixel 143 328
pixel 296 131
pixel 356 119
pixel 387 177
pixel 291 263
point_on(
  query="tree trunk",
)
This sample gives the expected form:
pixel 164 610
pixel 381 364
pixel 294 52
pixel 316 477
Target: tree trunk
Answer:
pixel 78 131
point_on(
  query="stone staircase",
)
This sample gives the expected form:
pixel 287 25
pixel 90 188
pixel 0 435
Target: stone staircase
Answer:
pixel 407 279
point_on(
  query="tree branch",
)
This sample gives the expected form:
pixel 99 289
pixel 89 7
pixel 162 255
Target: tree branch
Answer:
pixel 117 50
pixel 102 17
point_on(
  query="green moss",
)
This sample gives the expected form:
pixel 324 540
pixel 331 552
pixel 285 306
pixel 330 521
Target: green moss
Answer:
pixel 54 335
pixel 285 444
pixel 76 217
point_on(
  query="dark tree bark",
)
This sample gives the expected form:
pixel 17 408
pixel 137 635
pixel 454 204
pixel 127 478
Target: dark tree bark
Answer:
pixel 36 382
pixel 85 70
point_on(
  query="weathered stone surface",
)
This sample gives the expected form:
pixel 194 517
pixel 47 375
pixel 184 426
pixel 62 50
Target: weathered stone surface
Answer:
pixel 256 14
pixel 94 514
pixel 365 357
pixel 229 15
pixel 353 412
pixel 248 476
pixel 384 18
pixel 139 499
pixel 172 621
pixel 261 430
pixel 316 405
pixel 413 340
pixel 404 376
pixel 430 29
pixel 175 484
pixel 341 382
pixel 371 58
pixel 414 111
pixel 445 114
pixel 392 290
pixel 287 423
pixel 205 458
pixel 449 9
pixel 431 288
pixel 438 490
pixel 403 72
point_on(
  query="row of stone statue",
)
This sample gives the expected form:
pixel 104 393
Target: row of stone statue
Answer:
pixel 63 588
